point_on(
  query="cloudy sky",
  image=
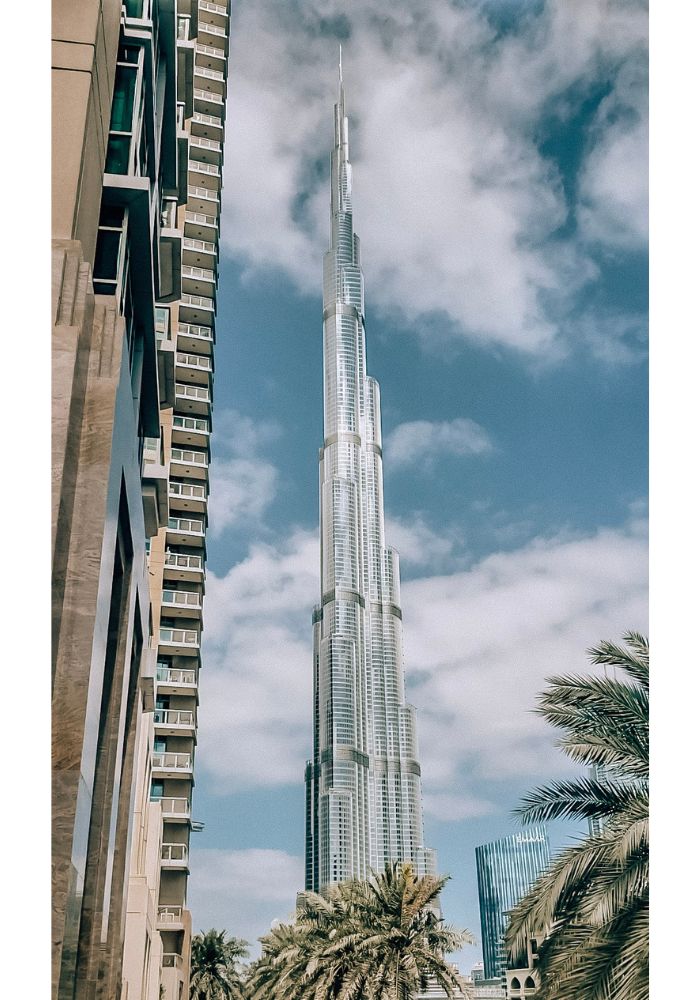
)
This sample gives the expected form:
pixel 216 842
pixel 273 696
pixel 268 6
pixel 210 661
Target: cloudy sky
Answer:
pixel 499 155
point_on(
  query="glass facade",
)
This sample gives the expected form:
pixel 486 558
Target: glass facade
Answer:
pixel 505 870
pixel 363 794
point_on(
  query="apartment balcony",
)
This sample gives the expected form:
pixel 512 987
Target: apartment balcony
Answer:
pixel 193 399
pixel 197 309
pixel 175 810
pixel 200 226
pixel 202 174
pixel 211 13
pixel 190 430
pixel 171 765
pixel 191 337
pixel 202 200
pixel 194 369
pixel 171 960
pixel 174 722
pixel 190 464
pixel 175 680
pixel 154 486
pixel 199 253
pixel 207 126
pixel 178 641
pixel 211 56
pixel 174 856
pixel 185 531
pixel 212 81
pixel 213 34
pixel 170 918
pixel 199 281
pixel 188 498
pixel 183 566
pixel 208 102
pixel 181 603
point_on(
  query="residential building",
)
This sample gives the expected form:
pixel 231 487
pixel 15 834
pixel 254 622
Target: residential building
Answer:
pixel 505 871
pixel 138 91
pixel 363 791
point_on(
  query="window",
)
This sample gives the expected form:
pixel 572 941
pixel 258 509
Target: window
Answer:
pixel 157 790
pixel 124 155
pixel 110 251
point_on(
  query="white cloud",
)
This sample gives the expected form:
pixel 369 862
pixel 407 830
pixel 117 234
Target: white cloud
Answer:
pixel 422 442
pixel 420 545
pixel 243 891
pixel 242 484
pixel 256 688
pixel 241 491
pixel 454 203
pixel 614 185
pixel 478 645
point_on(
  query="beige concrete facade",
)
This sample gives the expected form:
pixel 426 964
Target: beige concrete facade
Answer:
pixel 138 90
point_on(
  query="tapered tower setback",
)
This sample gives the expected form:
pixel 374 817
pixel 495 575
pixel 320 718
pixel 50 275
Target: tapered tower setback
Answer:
pixel 363 794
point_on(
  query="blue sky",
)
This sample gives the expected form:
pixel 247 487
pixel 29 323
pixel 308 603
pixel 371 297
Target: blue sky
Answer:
pixel 499 154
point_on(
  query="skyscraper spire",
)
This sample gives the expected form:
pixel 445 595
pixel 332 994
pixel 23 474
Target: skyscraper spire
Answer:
pixel 363 805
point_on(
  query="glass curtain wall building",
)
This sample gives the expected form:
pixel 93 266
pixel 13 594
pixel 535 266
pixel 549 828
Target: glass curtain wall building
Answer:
pixel 505 870
pixel 363 786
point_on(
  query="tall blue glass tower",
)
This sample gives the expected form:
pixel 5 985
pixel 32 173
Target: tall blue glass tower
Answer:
pixel 505 870
pixel 363 790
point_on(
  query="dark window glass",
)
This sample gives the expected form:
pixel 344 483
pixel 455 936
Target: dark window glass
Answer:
pixel 107 254
pixel 123 103
pixel 157 789
pixel 118 148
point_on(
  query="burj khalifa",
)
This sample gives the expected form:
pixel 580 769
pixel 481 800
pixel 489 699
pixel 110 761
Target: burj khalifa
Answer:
pixel 363 785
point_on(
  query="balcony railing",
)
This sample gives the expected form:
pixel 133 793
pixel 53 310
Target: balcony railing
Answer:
pixel 201 220
pixel 191 271
pixel 182 599
pixel 188 524
pixel 202 246
pixel 193 491
pixel 173 716
pixel 197 424
pixel 199 167
pixel 207 95
pixel 210 50
pixel 212 29
pixel 172 761
pixel 201 192
pixel 201 118
pixel 169 914
pixel 193 391
pixel 210 74
pixel 175 807
pixel 171 960
pixel 197 300
pixel 179 636
pixel 176 676
pixel 194 360
pixel 186 456
pixel 174 852
pixel 180 560
pixel 213 8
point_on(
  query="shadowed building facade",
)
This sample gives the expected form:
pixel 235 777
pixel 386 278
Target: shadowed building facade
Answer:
pixel 124 89
pixel 363 786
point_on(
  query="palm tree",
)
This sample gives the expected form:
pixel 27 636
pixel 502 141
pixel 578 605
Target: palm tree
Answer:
pixel 378 940
pixel 215 971
pixel 591 907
